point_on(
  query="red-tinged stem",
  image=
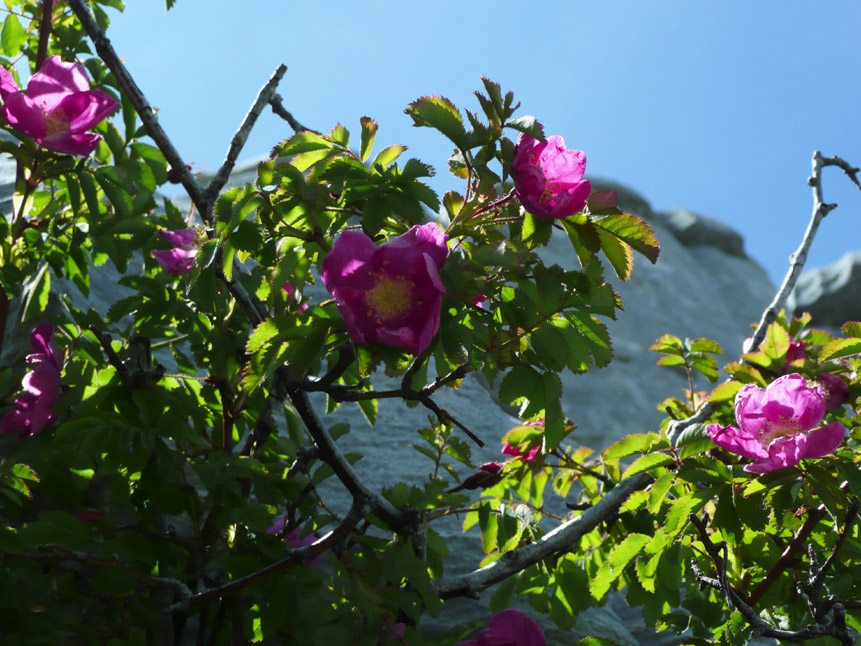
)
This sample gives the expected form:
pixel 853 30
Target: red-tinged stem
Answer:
pixel 44 32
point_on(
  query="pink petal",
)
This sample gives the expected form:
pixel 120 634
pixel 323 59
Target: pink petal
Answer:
pixel 182 238
pixel 516 627
pixel 748 410
pixel 788 399
pixel 8 85
pixel 825 440
pixel 736 440
pixel 71 144
pixel 175 261
pixel 55 79
pixel 84 110
pixel 45 350
pixel 24 115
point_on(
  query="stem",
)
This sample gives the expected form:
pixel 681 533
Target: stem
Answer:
pixel 44 32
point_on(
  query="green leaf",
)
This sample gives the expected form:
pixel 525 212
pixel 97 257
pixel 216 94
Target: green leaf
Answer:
pixel 725 392
pixel 618 252
pixel 303 142
pixel 388 155
pixel 633 230
pixel 648 462
pixel 839 348
pixel 668 344
pixel 439 113
pixel 369 133
pixel 529 125
pixel 852 328
pixel 745 374
pixel 706 345
pixel 776 342
pixel 630 444
pixel 547 343
pixel 36 294
pixel 659 490
pixel 13 36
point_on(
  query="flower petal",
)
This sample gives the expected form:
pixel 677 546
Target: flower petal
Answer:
pixel 175 261
pixel 737 440
pixel 84 110
pixel 69 143
pixel 55 79
pixel 825 440
pixel 24 115
pixel 182 238
pixel 8 85
pixel 789 399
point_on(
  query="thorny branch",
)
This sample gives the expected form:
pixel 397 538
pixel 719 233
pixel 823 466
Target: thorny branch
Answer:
pixel 835 628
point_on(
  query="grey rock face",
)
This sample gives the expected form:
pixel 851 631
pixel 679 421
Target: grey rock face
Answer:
pixel 831 294
pixel 694 230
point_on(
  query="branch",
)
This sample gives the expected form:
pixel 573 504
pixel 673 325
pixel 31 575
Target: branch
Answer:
pixel 797 260
pixel 106 52
pixel 44 32
pixel 836 628
pixel 263 97
pixel 556 541
pixel 278 108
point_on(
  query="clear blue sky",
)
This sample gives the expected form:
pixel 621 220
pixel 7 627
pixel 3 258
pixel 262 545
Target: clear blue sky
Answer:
pixel 715 107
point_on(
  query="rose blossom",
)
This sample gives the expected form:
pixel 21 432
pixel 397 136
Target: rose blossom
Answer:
pixel 836 390
pixel 777 425
pixel 529 456
pixel 509 628
pixel 548 179
pixel 58 107
pixel 294 538
pixel 391 294
pixel 32 410
pixel 187 243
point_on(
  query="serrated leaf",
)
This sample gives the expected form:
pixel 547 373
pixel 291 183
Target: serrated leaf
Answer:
pixel 369 133
pixel 388 155
pixel 632 230
pixel 658 491
pixel 36 294
pixel 706 345
pixel 528 125
pixel 852 328
pixel 24 472
pixel 725 392
pixel 441 114
pixel 547 343
pixel 303 142
pixel 618 252
pixel 776 342
pixel 630 444
pixel 668 344
pixel 647 462
pixel 745 374
pixel 839 348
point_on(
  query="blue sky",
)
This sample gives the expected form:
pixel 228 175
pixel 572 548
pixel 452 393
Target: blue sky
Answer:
pixel 715 107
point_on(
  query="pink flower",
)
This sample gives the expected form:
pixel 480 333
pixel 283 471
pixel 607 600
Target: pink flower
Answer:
pixel 795 351
pixel 391 294
pixel 487 475
pixel 776 425
pixel 509 628
pixel 478 300
pixel 58 107
pixel 548 179
pixel 180 259
pixel 529 456
pixel 291 297
pixel 294 538
pixel 31 412
pixel 836 390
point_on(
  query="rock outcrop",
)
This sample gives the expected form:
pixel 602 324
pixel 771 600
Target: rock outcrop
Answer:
pixel 831 294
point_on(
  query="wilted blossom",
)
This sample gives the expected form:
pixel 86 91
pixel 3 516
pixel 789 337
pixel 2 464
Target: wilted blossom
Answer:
pixel 58 107
pixel 187 243
pixel 836 390
pixel 32 410
pixel 777 426
pixel 487 475
pixel 795 351
pixel 294 537
pixel 509 628
pixel 548 179
pixel 391 294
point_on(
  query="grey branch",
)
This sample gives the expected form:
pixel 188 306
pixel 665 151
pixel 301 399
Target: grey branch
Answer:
pixel 557 541
pixel 797 260
pixel 263 98
pixel 106 51
pixel 278 108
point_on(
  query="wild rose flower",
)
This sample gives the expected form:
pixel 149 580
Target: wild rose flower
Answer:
pixel 31 412
pixel 187 243
pixel 509 628
pixel 487 475
pixel 391 294
pixel 836 390
pixel 777 425
pixel 527 457
pixel 795 351
pixel 58 107
pixel 294 537
pixel 548 179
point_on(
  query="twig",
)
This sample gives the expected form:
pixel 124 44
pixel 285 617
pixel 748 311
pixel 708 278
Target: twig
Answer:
pixel 444 416
pixel 557 540
pixel 836 628
pixel 54 551
pixel 278 108
pixel 106 51
pixel 44 32
pixel 797 260
pixel 241 136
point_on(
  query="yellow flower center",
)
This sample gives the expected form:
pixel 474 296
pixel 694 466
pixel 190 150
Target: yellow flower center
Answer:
pixel 785 427
pixel 55 122
pixel 390 298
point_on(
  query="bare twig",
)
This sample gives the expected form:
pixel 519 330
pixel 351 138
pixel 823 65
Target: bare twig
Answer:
pixel 263 97
pixel 142 106
pixel 558 540
pixel 797 260
pixel 44 32
pixel 278 108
